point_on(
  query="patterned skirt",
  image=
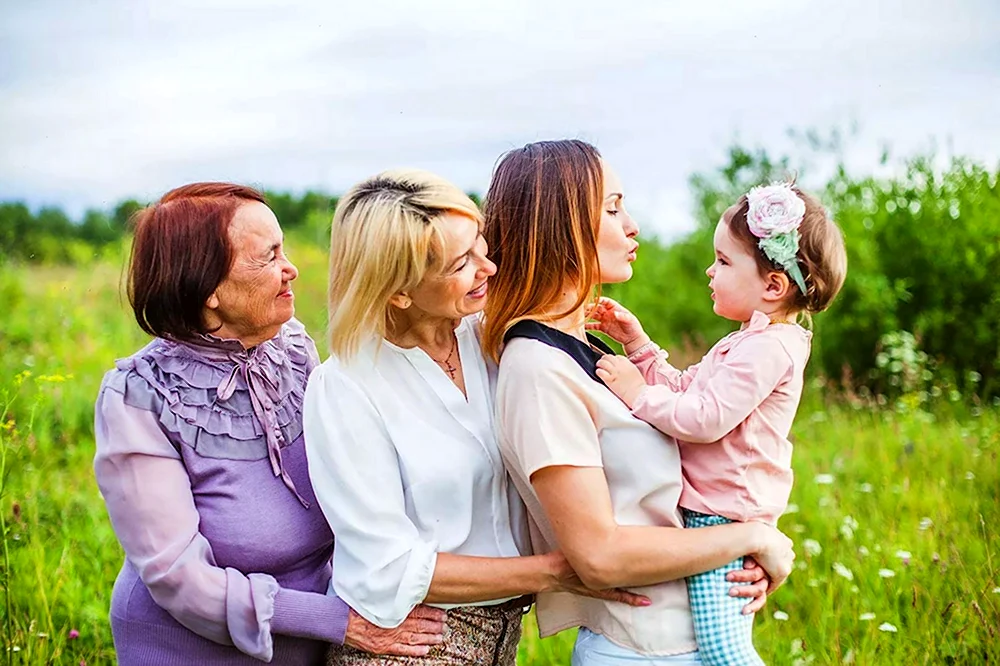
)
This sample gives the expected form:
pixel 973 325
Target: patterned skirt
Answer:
pixel 473 636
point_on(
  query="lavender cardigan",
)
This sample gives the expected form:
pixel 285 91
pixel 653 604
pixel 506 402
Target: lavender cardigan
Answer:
pixel 201 463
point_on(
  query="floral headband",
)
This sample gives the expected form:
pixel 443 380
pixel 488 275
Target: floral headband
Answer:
pixel 775 214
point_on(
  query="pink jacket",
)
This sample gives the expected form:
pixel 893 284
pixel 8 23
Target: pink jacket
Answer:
pixel 731 414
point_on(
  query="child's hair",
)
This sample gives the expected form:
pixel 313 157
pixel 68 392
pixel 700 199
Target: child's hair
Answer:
pixel 822 256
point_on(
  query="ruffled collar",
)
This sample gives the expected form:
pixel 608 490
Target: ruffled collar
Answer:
pixel 758 322
pixel 265 370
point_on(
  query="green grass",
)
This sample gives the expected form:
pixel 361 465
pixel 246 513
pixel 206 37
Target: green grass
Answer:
pixel 898 481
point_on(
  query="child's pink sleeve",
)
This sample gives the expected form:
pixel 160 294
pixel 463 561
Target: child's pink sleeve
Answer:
pixel 737 385
pixel 652 363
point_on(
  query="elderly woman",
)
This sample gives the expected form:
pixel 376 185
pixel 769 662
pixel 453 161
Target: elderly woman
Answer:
pixel 599 484
pixel 399 428
pixel 200 456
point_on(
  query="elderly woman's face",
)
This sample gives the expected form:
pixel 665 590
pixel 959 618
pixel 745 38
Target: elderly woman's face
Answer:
pixel 459 289
pixel 255 298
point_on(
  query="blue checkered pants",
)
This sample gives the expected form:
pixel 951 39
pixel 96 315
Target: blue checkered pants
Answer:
pixel 723 632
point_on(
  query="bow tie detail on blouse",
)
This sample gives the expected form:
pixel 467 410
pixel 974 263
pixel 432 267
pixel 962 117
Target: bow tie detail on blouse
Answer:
pixel 263 396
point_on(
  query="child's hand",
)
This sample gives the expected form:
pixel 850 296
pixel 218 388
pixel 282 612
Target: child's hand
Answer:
pixel 621 377
pixel 617 323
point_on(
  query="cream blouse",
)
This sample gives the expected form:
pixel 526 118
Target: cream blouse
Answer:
pixel 550 411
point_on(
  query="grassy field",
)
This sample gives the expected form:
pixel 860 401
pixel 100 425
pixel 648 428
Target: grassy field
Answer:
pixel 895 512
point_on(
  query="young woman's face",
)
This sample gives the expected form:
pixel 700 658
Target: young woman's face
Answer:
pixel 616 244
pixel 459 289
pixel 737 286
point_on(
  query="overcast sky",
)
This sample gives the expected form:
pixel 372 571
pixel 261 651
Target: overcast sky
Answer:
pixel 103 100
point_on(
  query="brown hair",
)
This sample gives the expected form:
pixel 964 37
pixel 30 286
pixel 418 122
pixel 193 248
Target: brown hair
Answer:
pixel 542 213
pixel 180 253
pixel 822 257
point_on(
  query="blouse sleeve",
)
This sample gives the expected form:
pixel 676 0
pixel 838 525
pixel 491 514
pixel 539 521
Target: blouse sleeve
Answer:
pixel 656 370
pixel 148 496
pixel 544 416
pixel 382 565
pixel 738 385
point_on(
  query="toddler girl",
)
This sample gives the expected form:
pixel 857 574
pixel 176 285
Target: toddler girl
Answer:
pixel 778 257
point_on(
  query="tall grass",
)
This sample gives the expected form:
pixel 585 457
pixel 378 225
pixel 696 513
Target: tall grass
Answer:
pixel 894 515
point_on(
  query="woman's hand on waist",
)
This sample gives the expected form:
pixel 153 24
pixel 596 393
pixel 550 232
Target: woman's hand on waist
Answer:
pixel 752 582
pixel 421 630
pixel 564 579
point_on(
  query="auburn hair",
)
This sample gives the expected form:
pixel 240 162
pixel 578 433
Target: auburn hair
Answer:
pixel 542 212
pixel 181 252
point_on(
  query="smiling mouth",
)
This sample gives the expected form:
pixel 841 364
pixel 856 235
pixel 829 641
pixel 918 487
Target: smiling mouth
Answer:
pixel 479 291
pixel 286 294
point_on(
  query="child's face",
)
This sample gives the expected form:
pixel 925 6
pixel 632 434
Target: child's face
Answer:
pixel 737 286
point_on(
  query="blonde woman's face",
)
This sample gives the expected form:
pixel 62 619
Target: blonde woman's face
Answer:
pixel 616 244
pixel 459 289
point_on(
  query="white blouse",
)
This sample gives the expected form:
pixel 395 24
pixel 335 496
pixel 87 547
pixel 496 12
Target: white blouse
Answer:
pixel 405 467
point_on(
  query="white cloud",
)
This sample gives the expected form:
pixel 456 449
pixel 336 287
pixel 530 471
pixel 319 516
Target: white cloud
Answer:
pixel 104 100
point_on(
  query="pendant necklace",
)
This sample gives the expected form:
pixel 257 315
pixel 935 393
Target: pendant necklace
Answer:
pixel 446 363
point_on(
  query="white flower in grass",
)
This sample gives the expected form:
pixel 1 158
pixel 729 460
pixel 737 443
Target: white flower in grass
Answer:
pixel 797 647
pixel 849 657
pixel 780 616
pixel 865 487
pixel 969 476
pixel 863 552
pixel 842 571
pixel 996 590
pixel 824 479
pixel 791 508
pixel 813 582
pixel 886 573
pixel 885 626
pixel 925 524
pixel 866 617
pixel 812 547
pixel 904 555
pixel 847 527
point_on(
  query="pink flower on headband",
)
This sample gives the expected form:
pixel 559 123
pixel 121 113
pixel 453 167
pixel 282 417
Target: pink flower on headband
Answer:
pixel 774 209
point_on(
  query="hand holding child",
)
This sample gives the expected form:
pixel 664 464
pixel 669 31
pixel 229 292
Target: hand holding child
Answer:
pixel 623 378
pixel 615 321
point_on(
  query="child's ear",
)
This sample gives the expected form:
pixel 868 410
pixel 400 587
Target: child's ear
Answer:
pixel 777 287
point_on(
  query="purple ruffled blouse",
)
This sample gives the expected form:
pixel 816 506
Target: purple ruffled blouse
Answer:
pixel 201 463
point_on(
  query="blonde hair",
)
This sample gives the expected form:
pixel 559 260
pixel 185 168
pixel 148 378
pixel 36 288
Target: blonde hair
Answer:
pixel 386 237
pixel 543 211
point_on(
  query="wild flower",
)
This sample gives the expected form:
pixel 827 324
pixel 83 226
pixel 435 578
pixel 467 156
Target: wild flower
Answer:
pixel 780 616
pixel 886 573
pixel 824 479
pixel 889 628
pixel 904 555
pixel 866 617
pixel 925 524
pixel 812 547
pixel 863 551
pixel 73 634
pixel 842 571
pixel 865 487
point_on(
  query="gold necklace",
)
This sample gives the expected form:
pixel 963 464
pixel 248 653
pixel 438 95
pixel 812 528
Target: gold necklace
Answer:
pixel 446 363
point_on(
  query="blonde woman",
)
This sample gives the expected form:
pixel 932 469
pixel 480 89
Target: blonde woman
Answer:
pixel 400 441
